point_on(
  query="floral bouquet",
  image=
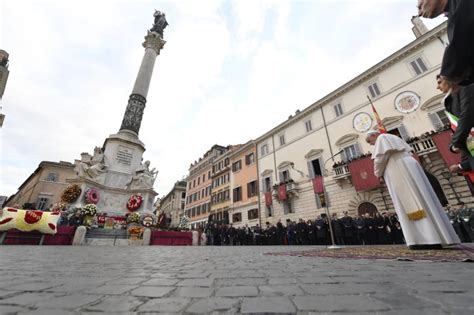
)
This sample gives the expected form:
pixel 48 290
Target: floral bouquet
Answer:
pixel 89 209
pixel 71 193
pixel 135 232
pixel 133 218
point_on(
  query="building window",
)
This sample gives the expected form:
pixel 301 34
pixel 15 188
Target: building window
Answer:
pixel 183 195
pixel 338 109
pixel 252 214
pixel 315 168
pixel 418 65
pixel 237 194
pixel 267 184
pixel 237 217
pixel 226 161
pixel 252 189
pixel 350 152
pixel 374 89
pixel 199 180
pixel 282 139
pixel 42 203
pixel 264 149
pixel 250 159
pixel 194 183
pixel 52 177
pixel 203 178
pixel 439 119
pixel 399 131
pixel 287 208
pixel 284 176
pixel 308 125
pixel 209 174
pixel 237 166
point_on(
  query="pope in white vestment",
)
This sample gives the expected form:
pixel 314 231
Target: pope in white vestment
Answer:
pixel 421 215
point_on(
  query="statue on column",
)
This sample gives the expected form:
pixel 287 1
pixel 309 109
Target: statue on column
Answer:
pixel 94 167
pixel 143 177
pixel 160 23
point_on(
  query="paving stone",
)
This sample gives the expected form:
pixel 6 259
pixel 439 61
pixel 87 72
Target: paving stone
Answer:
pixel 282 280
pixel 213 304
pixel 6 309
pixel 165 305
pixel 240 281
pixel 311 280
pixel 331 303
pixel 32 286
pixel 152 291
pixel 115 304
pixel 237 291
pixel 68 301
pixel 267 305
pixel 27 298
pixel 280 290
pixel 195 282
pixel 128 280
pixel 161 282
pixel 112 289
pixel 338 289
pixel 45 312
pixel 194 292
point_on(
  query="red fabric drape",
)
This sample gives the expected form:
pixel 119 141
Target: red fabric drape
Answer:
pixel 171 238
pixel 442 141
pixel 362 173
pixel 64 236
pixel 318 184
pixel 268 198
pixel 282 192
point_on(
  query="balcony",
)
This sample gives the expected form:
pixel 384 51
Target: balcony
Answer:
pixel 423 146
pixel 341 171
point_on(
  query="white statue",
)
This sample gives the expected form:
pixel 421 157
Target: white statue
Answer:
pixel 143 177
pixel 91 167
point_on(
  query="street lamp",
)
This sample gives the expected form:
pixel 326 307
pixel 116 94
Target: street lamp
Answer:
pixel 333 246
pixel 448 176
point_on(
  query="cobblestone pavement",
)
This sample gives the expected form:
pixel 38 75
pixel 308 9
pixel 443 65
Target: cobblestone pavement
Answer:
pixel 134 280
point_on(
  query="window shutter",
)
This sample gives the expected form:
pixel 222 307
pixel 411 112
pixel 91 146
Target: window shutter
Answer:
pixel 248 190
pixel 310 169
pixel 422 64
pixel 415 67
pixel 403 132
pixel 344 155
pixel 280 174
pixel 318 202
pixel 435 120
pixel 357 150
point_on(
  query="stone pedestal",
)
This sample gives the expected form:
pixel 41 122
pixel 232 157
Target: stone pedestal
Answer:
pixel 113 201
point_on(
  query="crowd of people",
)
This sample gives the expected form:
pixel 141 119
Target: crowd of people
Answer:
pixel 362 230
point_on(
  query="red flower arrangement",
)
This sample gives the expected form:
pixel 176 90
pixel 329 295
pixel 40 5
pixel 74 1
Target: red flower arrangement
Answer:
pixel 134 202
pixel 92 196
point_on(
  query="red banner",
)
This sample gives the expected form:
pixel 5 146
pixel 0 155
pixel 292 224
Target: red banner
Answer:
pixel 362 173
pixel 442 141
pixel 318 184
pixel 171 238
pixel 268 198
pixel 282 192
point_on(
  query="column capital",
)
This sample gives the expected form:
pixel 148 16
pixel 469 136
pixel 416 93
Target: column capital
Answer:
pixel 154 41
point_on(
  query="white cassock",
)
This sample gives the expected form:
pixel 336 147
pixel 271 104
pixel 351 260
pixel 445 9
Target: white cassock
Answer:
pixel 421 215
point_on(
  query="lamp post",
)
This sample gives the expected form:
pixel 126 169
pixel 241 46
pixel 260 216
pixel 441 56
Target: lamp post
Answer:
pixel 333 244
pixel 448 176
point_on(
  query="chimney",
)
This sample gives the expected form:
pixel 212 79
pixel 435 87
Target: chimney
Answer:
pixel 419 28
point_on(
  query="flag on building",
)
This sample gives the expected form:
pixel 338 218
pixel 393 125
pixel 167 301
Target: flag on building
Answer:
pixel 380 126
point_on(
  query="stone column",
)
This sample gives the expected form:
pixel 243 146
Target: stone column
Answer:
pixel 132 118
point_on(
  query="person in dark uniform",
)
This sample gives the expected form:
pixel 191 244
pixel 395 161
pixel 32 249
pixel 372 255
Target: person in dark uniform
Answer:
pixel 348 225
pixel 321 230
pixel 231 234
pixel 258 234
pixel 359 225
pixel 337 229
pixel 216 234
pixel 301 238
pixel 371 233
pixel 290 232
pixel 380 228
pixel 280 233
pixel 311 233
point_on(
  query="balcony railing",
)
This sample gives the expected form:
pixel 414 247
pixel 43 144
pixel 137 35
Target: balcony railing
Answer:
pixel 341 171
pixel 423 146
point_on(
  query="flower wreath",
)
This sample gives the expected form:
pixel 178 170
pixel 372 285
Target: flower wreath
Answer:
pixel 134 202
pixel 92 195
pixel 71 193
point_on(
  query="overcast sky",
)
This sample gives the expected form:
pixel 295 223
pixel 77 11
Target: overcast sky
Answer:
pixel 229 72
